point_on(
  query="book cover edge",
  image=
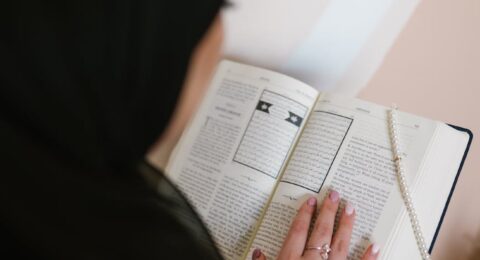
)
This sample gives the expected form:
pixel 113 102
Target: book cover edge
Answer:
pixel 470 138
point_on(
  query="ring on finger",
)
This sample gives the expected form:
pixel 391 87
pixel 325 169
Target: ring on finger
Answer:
pixel 324 250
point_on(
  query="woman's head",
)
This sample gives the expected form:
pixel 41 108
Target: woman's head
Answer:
pixel 97 81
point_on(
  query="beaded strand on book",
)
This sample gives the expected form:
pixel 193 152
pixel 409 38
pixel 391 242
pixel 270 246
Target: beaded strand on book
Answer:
pixel 392 119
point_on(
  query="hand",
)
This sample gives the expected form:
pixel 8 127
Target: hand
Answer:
pixel 297 242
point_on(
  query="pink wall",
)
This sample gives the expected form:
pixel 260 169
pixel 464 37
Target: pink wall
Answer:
pixel 433 70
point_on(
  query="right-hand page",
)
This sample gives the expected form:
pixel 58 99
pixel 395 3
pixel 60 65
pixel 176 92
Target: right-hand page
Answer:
pixel 345 146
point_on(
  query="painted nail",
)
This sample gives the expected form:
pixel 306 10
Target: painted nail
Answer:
pixel 375 249
pixel 256 253
pixel 334 196
pixel 349 209
pixel 312 201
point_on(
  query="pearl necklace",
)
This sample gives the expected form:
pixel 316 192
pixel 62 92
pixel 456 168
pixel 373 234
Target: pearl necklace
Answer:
pixel 392 119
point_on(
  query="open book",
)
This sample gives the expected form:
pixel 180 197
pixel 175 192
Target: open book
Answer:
pixel 262 142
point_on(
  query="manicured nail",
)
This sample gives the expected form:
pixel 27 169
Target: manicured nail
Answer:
pixel 256 253
pixel 349 209
pixel 312 201
pixel 334 196
pixel 375 249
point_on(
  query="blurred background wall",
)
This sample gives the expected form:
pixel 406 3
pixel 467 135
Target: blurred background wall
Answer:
pixel 433 70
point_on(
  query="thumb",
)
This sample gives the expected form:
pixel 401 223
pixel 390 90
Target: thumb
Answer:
pixel 372 252
pixel 258 255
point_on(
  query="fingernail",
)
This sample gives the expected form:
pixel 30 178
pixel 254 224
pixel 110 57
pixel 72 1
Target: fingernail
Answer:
pixel 334 196
pixel 349 209
pixel 256 253
pixel 312 201
pixel 375 248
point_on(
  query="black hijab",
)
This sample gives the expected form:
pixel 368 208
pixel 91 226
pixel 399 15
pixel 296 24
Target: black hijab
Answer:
pixel 85 88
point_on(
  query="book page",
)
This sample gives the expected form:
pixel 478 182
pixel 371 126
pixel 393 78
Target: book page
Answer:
pixel 230 157
pixel 345 146
pixel 430 192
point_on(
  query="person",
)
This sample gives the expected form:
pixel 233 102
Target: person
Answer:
pixel 299 245
pixel 86 89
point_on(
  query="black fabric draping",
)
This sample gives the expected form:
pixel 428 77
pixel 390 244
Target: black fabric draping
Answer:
pixel 85 88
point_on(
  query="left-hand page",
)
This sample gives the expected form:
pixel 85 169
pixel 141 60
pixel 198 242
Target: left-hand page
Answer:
pixel 229 158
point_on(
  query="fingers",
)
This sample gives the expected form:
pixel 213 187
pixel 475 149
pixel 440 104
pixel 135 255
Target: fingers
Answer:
pixel 341 239
pixel 372 252
pixel 297 235
pixel 258 255
pixel 323 230
pixel 296 241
